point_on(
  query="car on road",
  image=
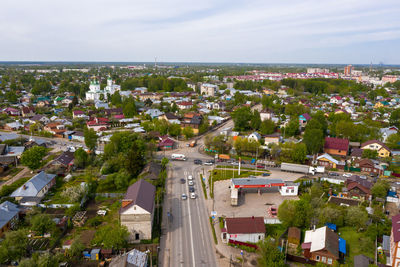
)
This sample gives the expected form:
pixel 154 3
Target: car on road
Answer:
pixel 198 162
pixel 266 174
pixel 273 211
pixel 190 177
pixel 333 174
pixel 193 195
pixel 184 197
pixel 363 177
pixel 347 174
pixel 190 183
pixel 183 181
pixel 260 167
pixel 208 163
pixel 191 189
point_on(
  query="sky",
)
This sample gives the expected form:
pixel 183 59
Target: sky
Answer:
pixel 285 31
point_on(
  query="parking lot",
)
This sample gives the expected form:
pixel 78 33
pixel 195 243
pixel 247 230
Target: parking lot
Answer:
pixel 251 203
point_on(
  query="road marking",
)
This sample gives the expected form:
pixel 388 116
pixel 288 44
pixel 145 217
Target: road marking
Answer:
pixel 191 231
pixel 200 222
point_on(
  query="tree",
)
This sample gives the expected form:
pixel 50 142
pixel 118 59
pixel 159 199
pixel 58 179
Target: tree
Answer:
pixel 135 157
pixel 241 118
pixel 90 139
pixel 292 128
pixel 116 99
pixel 42 223
pixel 357 217
pixel 81 158
pixel 111 236
pixel 380 188
pixel 287 212
pixel 76 248
pixel 369 154
pixel 188 132
pixel 129 107
pixel 255 120
pixel 393 141
pixel 314 140
pixel 174 129
pixel 32 158
pixel 395 118
pixel 269 254
pixel 267 127
pixel 164 163
pixel 14 245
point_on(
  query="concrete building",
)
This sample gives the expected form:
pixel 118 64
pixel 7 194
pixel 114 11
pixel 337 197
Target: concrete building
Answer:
pixel 137 210
pixel 208 89
pixel 246 229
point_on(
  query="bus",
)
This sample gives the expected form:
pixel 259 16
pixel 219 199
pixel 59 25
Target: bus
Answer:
pixel 178 157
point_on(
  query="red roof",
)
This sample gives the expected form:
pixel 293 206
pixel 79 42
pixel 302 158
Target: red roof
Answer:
pixel 166 142
pixel 396 227
pixel 245 225
pixel 336 143
pixel 78 112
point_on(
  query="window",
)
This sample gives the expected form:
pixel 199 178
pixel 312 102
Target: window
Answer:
pixel 317 258
pixel 323 259
pixel 292 191
pixel 259 237
pixel 329 261
pixel 136 236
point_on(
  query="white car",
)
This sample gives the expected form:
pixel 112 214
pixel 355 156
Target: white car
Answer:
pixel 184 196
pixel 347 174
pixel 190 177
pixel 208 163
pixel 192 195
pixel 190 182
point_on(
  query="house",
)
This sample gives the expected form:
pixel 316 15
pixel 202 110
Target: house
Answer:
pixel 356 153
pixel 336 100
pixel 380 147
pixel 9 215
pixel 27 112
pixel 294 237
pixel 381 104
pixel 336 146
pixel 78 114
pixel 12 111
pixel 10 154
pixel 31 192
pixel 329 162
pixel 78 136
pixel 358 188
pixel 321 245
pixel 303 119
pixel 192 120
pixel 154 113
pixel 266 114
pixel 386 132
pixel 13 126
pixel 65 160
pixel 55 128
pixel 137 210
pixel 98 124
pixel 218 105
pixel 244 229
pixel 185 104
pixel 274 138
pixel 170 117
pixel 39 118
pixel 166 143
pixel 395 241
pixel 367 165
pixel 133 258
pixel 254 137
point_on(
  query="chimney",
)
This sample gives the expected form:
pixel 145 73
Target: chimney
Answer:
pixel 314 228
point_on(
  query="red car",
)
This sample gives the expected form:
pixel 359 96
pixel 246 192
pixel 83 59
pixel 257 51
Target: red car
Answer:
pixel 260 167
pixel 273 211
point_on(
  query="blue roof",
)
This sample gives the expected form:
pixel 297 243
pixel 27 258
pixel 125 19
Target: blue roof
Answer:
pixel 391 194
pixel 331 226
pixel 8 211
pixel 342 245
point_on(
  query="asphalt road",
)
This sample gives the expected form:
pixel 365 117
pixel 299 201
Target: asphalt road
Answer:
pixel 187 239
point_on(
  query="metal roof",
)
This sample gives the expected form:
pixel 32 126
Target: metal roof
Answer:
pixel 255 181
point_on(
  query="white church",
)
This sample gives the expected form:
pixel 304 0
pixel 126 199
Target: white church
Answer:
pixel 95 91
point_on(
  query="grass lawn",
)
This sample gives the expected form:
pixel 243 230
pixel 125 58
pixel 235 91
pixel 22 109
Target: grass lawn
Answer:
pixel 356 243
pixel 10 173
pixel 55 196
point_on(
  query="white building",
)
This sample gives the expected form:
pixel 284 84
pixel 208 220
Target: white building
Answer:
pixel 245 229
pixel 208 89
pixel 95 91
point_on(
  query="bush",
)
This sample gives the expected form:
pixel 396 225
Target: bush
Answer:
pixel 8 189
pixel 213 231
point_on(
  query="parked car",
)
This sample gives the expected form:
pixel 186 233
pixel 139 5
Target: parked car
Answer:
pixel 273 211
pixel 184 196
pixel 198 162
pixel 260 167
pixel 266 174
pixel 363 177
pixel 191 189
pixel 347 174
pixel 183 181
pixel 333 174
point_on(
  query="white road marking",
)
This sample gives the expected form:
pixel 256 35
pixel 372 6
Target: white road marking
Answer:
pixel 191 231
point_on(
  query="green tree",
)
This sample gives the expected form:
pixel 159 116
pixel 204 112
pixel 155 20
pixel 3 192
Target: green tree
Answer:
pixel 255 121
pixel 357 217
pixel 188 132
pixel 395 118
pixel 76 249
pixel 81 158
pixel 111 236
pixel 393 141
pixel 287 212
pixel 380 188
pixel 14 245
pixel 314 140
pixel 32 158
pixel 11 96
pixel 129 107
pixel 116 99
pixel 292 128
pixel 42 223
pixel 269 254
pixel 164 163
pixel 241 118
pixel 174 129
pixel 369 154
pixel 267 127
pixel 90 139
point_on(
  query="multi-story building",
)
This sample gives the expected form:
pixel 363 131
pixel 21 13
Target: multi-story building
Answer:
pixel 348 70
pixel 208 89
pixel 95 93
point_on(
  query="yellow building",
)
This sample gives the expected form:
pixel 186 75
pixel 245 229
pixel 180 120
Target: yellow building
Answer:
pixel 380 147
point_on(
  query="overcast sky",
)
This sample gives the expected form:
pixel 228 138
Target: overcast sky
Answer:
pixel 265 31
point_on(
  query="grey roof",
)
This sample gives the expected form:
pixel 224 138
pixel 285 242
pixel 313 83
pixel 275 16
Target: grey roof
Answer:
pixel 386 242
pixel 136 258
pixel 142 194
pixel 15 150
pixel 65 158
pixel 8 211
pixel 362 261
pixel 33 186
pixel 8 136
pixel 255 181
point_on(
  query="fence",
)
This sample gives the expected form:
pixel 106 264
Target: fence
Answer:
pixel 110 195
pixel 234 242
pixel 396 174
pixel 300 259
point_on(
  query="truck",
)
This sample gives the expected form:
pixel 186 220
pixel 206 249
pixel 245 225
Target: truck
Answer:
pixel 193 143
pixel 178 157
pixel 290 167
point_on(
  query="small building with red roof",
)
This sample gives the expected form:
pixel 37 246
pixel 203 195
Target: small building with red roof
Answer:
pixel 336 146
pixel 244 229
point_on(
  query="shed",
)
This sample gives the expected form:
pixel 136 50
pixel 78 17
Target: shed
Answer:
pixel 86 254
pixel 95 254
pixel 342 245
pixel 294 235
pixel 362 261
pixel 106 253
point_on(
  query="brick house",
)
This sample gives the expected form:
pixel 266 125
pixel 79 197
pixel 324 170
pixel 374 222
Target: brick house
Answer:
pixel 321 245
pixel 367 165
